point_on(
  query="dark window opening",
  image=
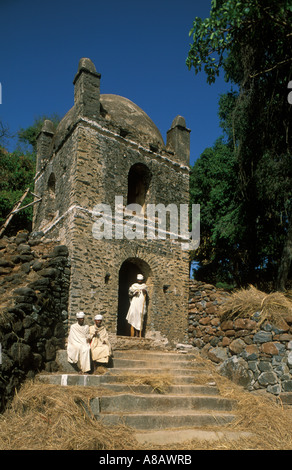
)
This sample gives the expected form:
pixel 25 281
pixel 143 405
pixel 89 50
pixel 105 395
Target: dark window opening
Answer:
pixel 139 178
pixel 51 194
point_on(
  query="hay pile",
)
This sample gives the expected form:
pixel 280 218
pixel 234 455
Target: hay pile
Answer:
pixel 245 303
pixel 158 382
pixel 260 414
pixel 52 417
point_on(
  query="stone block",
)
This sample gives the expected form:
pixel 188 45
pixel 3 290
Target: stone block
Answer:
pixel 217 354
pixel 262 337
pixel 236 370
pixel 268 378
pixel 270 348
pixel 21 354
pixel 237 346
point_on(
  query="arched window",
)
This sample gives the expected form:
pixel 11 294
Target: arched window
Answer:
pixel 50 199
pixel 139 178
pixel 52 185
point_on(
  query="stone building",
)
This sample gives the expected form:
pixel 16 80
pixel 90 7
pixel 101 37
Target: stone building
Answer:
pixel 106 150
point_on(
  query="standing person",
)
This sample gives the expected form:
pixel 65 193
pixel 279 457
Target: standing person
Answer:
pixel 137 310
pixel 100 345
pixel 78 347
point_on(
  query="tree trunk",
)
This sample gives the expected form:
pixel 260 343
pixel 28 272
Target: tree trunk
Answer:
pixel 285 262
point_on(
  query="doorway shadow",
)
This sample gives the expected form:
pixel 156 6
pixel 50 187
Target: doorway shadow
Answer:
pixel 127 276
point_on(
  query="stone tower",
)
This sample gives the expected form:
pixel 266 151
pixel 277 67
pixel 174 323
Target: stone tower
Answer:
pixel 106 150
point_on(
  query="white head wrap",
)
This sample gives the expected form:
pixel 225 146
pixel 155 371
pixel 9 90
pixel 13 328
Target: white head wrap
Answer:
pixel 98 317
pixel 140 277
pixel 80 315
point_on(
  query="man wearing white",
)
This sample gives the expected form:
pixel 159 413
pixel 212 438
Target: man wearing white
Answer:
pixel 137 310
pixel 78 348
pixel 100 345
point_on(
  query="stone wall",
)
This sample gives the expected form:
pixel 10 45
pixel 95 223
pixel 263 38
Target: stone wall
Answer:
pixel 256 356
pixel 34 281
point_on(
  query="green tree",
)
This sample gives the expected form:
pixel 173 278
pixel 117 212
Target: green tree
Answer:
pixel 27 138
pixel 213 185
pixel 17 170
pixel 16 175
pixel 251 42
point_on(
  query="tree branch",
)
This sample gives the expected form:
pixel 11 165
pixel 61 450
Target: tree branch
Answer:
pixel 271 68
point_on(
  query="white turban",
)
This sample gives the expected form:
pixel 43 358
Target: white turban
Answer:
pixel 140 277
pixel 80 315
pixel 98 317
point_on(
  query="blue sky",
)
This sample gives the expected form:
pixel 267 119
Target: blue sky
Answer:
pixel 139 47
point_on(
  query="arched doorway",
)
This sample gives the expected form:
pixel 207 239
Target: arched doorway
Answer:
pixel 127 276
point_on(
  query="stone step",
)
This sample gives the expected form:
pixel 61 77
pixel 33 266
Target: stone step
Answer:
pixel 176 379
pixel 155 355
pixel 171 389
pixel 167 420
pixel 181 404
pixel 174 436
pixel 127 403
pixel 138 359
pixel 286 398
pixel 149 362
pixel 124 386
pixel 155 371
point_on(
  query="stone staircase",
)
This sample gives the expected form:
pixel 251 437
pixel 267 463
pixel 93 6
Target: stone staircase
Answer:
pixel 182 409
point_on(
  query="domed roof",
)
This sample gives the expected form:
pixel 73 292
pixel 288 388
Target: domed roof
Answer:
pixel 123 113
pixel 128 116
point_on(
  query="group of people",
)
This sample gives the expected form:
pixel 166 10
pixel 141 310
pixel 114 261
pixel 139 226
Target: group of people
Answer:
pixel 87 345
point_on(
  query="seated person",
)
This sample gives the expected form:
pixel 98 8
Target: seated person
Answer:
pixel 100 345
pixel 78 347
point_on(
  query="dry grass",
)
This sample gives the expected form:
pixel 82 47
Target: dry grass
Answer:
pixel 260 414
pixel 244 303
pixel 158 382
pixel 52 417
pixel 289 295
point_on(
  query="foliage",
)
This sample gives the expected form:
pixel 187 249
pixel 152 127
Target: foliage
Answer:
pixel 27 138
pixel 233 24
pixel 252 42
pixel 17 171
pixel 16 175
pixel 213 186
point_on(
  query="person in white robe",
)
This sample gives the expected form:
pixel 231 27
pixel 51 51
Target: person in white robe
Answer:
pixel 78 347
pixel 100 346
pixel 137 310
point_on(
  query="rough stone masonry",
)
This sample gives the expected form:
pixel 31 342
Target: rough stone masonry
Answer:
pixel 256 355
pixel 106 146
pixel 34 281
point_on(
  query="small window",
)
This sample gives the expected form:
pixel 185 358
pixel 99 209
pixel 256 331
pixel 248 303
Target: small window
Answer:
pixel 52 185
pixel 50 199
pixel 139 178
